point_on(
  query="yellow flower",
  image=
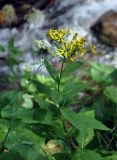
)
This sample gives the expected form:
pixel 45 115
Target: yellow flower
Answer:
pixel 69 49
pixel 63 52
pixel 58 35
pixel 93 48
pixel 74 57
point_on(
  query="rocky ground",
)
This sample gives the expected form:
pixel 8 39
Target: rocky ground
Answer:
pixel 27 21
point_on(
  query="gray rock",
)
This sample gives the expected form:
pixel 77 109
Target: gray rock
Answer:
pixel 105 29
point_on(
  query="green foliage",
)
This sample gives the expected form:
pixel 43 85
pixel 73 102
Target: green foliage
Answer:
pixel 71 67
pixel 83 120
pixel 37 122
pixel 101 73
pixel 53 73
pixel 2 49
pixel 111 93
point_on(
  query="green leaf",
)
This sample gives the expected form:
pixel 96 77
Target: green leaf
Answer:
pixel 26 144
pixel 11 100
pixel 53 73
pixel 103 111
pixel 101 72
pixel 83 120
pixel 42 88
pixel 71 67
pixel 10 156
pixel 84 139
pixel 113 75
pixel 42 116
pixel 43 103
pixel 56 96
pixel 111 93
pixel 71 90
pixel 2 49
pixel 12 49
pixel 50 131
pixel 21 113
pixel 84 154
pixel 63 156
pixel 112 157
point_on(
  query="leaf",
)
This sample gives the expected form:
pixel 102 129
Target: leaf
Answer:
pixel 111 93
pixel 43 103
pixel 11 43
pixel 112 157
pixel 113 75
pixel 53 73
pixel 10 156
pixel 11 100
pixel 42 116
pixel 71 67
pixel 84 154
pixel 63 156
pixel 101 72
pixel 103 111
pixel 42 88
pixel 12 49
pixel 56 96
pixel 2 49
pixel 84 139
pixel 70 90
pixel 26 144
pixel 49 131
pixel 83 120
pixel 21 113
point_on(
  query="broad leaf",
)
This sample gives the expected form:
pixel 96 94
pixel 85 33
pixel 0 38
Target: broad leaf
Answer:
pixel 53 73
pixel 111 93
pixel 71 90
pixel 56 96
pixel 101 72
pixel 71 67
pixel 84 154
pixel 83 120
pixel 63 156
pixel 84 139
pixel 112 157
pixel 42 88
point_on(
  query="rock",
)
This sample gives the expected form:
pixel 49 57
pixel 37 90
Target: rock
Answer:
pixel 16 11
pixel 10 14
pixel 2 18
pixel 35 17
pixel 105 29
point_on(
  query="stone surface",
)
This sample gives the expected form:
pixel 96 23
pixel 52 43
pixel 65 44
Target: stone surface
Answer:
pixel 105 29
pixel 2 18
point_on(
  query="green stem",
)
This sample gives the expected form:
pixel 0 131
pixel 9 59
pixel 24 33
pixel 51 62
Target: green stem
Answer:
pixel 60 76
pixel 59 82
pixel 115 121
pixel 99 139
pixel 6 136
pixel 69 137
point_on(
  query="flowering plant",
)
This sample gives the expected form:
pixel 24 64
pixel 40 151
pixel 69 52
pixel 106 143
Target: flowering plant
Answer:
pixel 37 122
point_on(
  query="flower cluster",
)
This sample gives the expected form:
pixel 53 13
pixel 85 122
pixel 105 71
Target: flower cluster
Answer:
pixel 58 35
pixel 68 50
pixel 68 44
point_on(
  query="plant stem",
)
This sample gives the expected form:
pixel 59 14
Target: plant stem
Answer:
pixel 60 76
pixel 59 82
pixel 4 141
pixel 69 137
